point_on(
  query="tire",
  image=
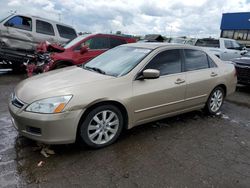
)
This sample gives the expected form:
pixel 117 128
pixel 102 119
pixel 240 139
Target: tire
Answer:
pixel 97 133
pixel 215 101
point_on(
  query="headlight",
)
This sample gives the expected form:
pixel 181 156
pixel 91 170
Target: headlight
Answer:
pixel 50 105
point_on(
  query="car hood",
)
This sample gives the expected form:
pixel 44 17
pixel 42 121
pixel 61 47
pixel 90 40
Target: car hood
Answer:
pixel 242 60
pixel 57 82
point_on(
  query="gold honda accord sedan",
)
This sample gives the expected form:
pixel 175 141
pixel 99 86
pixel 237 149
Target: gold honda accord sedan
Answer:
pixel 124 87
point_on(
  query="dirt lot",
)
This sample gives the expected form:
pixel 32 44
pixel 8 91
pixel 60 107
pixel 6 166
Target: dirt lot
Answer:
pixel 191 150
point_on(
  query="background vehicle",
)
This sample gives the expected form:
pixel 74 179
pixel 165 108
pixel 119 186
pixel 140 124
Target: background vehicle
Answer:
pixel 124 87
pixel 242 66
pixel 20 34
pixel 225 49
pixel 86 47
pixel 177 40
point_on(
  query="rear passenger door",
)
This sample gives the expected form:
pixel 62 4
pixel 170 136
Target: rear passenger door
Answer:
pixel 44 32
pixel 201 73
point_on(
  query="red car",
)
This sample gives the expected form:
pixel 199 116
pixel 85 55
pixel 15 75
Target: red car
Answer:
pixel 86 47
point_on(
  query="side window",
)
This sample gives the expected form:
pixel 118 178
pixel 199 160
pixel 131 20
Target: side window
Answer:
pixel 20 22
pixel 44 28
pixel 208 43
pixel 228 44
pixel 116 42
pixel 236 45
pixel 98 43
pixel 211 62
pixel 66 32
pixel 167 62
pixel 195 60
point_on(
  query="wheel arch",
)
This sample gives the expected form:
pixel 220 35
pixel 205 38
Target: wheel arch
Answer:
pixel 117 104
pixel 224 87
pixel 62 62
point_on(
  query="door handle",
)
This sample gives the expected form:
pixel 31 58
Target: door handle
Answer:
pixel 179 81
pixel 213 74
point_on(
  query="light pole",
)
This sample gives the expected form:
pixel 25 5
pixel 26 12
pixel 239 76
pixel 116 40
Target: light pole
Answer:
pixel 171 27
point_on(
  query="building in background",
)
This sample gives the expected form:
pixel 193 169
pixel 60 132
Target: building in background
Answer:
pixel 236 26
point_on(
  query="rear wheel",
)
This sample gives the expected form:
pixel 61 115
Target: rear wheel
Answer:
pixel 102 126
pixel 215 101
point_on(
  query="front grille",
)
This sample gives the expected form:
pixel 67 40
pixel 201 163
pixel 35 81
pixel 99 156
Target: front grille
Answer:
pixel 243 71
pixel 16 102
pixel 33 130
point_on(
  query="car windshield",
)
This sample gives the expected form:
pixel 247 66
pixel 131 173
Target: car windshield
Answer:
pixel 117 61
pixel 74 41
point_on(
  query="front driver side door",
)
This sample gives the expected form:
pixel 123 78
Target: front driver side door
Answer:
pixel 157 97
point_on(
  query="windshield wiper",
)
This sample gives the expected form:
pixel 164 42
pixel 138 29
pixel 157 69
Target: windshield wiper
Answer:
pixel 95 69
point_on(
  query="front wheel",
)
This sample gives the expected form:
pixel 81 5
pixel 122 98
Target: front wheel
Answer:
pixel 215 101
pixel 102 126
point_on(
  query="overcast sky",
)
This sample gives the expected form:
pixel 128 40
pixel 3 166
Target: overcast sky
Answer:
pixel 179 17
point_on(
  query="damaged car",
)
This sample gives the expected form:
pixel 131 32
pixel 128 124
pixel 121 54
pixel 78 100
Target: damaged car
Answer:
pixel 25 32
pixel 76 51
pixel 20 35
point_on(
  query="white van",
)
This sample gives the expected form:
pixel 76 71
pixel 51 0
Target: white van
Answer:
pixel 25 31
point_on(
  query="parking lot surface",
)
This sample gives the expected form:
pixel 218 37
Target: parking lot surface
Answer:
pixel 190 150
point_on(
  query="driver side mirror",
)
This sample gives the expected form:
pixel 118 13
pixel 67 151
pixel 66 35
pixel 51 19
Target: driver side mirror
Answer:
pixel 83 49
pixel 149 74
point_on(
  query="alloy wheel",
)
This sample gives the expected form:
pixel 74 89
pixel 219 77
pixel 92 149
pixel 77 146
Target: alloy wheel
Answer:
pixel 216 100
pixel 103 127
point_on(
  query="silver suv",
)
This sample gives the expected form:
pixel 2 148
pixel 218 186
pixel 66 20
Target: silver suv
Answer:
pixel 25 31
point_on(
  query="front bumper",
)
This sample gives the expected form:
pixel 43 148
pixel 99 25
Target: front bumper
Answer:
pixel 58 128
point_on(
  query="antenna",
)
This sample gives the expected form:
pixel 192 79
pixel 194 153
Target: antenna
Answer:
pixel 12 11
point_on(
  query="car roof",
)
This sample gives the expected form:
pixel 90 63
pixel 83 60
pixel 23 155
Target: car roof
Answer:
pixel 114 35
pixel 154 45
pixel 43 19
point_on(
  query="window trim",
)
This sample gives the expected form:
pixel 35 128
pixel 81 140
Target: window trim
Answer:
pixel 31 28
pixel 162 50
pixel 185 70
pixel 116 38
pixel 45 33
pixel 59 34
pixel 209 64
pixel 99 48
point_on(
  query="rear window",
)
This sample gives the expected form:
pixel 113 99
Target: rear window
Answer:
pixel 66 32
pixel 208 43
pixel 116 42
pixel 44 28
pixel 195 60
